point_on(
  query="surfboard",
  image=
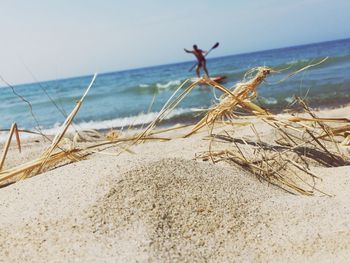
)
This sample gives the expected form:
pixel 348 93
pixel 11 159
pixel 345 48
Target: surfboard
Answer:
pixel 217 79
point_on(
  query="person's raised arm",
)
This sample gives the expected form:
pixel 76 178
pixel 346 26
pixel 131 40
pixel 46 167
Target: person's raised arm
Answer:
pixel 187 51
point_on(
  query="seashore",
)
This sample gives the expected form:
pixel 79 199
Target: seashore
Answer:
pixel 168 200
pixel 158 204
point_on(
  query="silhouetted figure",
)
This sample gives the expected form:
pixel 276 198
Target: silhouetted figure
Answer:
pixel 200 58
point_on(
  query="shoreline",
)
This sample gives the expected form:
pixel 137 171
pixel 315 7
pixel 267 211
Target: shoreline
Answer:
pixel 186 119
pixel 191 120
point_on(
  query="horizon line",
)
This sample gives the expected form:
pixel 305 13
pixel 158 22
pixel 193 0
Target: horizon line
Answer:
pixel 175 63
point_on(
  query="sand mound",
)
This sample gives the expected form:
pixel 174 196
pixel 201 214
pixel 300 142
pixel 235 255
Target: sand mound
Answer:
pixel 183 210
pixel 171 210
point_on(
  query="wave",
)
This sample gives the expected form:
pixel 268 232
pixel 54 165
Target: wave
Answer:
pixel 289 99
pixel 140 119
pixel 292 64
pixel 307 61
pixel 168 84
pixel 232 76
pixel 152 88
pixel 338 60
pixel 268 100
pixel 297 61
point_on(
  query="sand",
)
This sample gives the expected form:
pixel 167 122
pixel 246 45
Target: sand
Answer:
pixel 162 205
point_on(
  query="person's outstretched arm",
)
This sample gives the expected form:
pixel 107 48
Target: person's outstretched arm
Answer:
pixel 187 51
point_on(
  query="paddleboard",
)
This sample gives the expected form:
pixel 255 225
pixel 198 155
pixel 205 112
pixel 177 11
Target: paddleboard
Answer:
pixel 217 79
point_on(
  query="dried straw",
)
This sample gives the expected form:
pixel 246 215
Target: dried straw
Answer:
pixel 13 130
pixel 302 139
pixel 286 163
pixel 49 157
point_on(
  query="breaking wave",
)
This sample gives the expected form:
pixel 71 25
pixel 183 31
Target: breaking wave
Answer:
pixel 142 118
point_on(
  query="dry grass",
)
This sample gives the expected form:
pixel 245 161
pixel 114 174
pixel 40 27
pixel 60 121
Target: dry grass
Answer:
pixel 13 130
pixel 239 97
pixel 63 150
pixel 302 138
pixel 51 156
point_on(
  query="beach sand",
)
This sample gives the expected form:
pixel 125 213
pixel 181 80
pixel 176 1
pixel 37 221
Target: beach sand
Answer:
pixel 160 204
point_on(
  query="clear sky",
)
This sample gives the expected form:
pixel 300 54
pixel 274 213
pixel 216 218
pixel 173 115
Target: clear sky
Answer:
pixel 65 38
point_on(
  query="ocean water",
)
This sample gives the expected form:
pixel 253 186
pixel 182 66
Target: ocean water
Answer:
pixel 123 98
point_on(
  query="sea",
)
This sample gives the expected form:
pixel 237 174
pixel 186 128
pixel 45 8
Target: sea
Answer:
pixel 134 97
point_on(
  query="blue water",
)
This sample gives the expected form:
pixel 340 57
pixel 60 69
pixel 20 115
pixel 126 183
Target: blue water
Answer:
pixel 117 97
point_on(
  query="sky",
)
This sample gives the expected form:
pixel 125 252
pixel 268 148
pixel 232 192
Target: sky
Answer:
pixel 52 39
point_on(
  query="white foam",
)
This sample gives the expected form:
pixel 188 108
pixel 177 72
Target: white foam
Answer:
pixel 143 85
pixel 142 118
pixel 169 84
pixel 296 61
pixel 289 99
pixel 269 100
